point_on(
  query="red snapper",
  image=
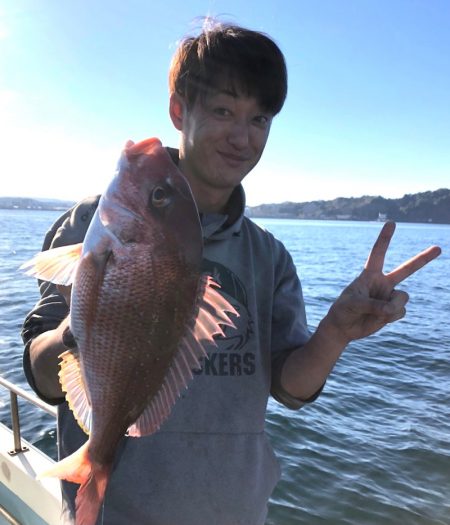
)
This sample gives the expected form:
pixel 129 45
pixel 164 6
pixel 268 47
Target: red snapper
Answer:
pixel 141 313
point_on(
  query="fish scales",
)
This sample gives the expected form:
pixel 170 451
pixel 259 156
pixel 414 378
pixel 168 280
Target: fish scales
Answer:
pixel 145 328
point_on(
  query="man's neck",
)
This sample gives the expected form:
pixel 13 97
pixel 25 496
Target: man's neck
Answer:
pixel 209 199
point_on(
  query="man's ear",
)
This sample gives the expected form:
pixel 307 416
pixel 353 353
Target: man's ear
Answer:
pixel 177 110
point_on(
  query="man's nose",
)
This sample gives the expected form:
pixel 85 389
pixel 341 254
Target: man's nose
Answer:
pixel 238 135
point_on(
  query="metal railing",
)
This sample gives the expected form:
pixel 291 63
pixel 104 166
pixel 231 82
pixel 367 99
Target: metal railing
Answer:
pixel 10 519
pixel 14 392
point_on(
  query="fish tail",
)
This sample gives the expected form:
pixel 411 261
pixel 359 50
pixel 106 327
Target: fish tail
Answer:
pixel 92 478
pixel 90 496
pixel 76 468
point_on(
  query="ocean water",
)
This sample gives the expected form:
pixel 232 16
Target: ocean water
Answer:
pixel 375 447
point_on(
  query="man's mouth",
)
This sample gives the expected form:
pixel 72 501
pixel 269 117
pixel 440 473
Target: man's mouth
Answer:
pixel 232 158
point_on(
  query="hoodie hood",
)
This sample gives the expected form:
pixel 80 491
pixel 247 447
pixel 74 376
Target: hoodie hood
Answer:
pixel 218 226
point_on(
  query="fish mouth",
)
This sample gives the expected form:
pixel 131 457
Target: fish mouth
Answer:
pixel 123 209
pixel 108 210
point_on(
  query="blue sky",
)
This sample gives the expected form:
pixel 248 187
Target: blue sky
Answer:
pixel 368 109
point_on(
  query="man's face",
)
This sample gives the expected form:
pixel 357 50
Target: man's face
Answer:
pixel 223 137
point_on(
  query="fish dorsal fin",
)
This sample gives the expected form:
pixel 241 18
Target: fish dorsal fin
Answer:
pixel 57 265
pixel 72 383
pixel 213 311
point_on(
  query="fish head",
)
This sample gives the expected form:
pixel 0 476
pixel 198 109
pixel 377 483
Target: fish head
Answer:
pixel 149 198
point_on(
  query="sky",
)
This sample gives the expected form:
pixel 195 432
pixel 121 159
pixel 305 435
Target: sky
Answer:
pixel 367 113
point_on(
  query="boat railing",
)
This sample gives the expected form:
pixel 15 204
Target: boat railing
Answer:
pixel 15 392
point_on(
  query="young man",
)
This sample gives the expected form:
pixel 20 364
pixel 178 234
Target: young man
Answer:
pixel 210 463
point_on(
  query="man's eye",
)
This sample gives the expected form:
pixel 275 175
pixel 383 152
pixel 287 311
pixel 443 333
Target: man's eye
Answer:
pixel 222 112
pixel 261 120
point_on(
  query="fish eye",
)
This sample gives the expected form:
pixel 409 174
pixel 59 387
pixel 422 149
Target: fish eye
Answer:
pixel 160 197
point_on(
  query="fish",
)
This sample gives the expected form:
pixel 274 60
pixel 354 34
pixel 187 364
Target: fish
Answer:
pixel 142 313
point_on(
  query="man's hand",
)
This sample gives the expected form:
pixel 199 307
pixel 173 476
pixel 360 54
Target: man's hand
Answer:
pixel 365 306
pixel 66 292
pixel 371 301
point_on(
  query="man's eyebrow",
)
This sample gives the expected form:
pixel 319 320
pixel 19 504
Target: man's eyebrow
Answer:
pixel 227 92
pixel 230 92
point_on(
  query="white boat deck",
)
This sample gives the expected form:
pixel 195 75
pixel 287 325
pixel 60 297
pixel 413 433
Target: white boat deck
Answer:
pixel 23 499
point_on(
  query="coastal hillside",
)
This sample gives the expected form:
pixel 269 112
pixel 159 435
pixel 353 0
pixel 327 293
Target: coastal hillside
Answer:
pixel 430 206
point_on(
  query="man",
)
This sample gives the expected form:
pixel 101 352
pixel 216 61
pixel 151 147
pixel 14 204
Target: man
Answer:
pixel 210 463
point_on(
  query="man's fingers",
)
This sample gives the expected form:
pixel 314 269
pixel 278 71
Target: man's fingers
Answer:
pixel 395 308
pixel 381 308
pixel 65 291
pixel 412 265
pixel 397 301
pixel 375 261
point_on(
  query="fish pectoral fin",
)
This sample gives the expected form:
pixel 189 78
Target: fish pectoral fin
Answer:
pixel 57 265
pixel 213 311
pixel 72 383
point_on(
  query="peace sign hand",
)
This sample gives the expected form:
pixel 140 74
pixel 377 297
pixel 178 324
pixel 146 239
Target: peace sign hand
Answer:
pixel 371 301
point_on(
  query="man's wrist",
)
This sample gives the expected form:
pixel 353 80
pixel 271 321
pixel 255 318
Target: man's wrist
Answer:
pixel 330 334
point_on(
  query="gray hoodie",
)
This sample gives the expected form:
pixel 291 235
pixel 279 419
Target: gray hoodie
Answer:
pixel 211 462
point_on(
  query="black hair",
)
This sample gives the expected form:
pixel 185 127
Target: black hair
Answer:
pixel 231 57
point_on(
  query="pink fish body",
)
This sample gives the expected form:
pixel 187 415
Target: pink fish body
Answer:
pixel 142 313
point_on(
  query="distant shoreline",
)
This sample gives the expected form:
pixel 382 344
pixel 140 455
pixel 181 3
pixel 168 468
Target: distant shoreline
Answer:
pixel 431 207
pixel 39 208
pixel 26 203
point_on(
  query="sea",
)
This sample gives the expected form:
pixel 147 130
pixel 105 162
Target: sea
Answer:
pixel 374 449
